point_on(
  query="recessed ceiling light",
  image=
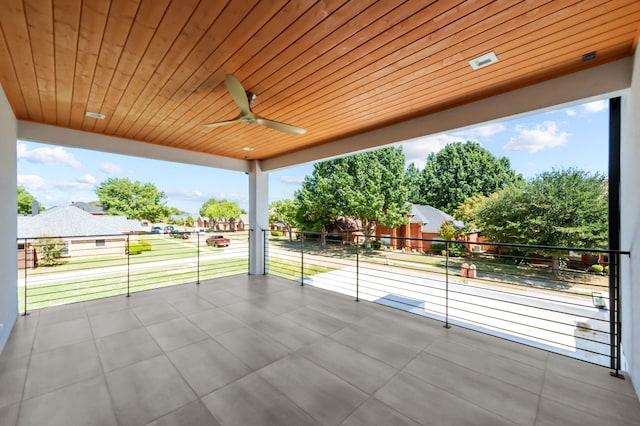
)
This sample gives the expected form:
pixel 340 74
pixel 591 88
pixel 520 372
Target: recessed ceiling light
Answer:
pixel 483 61
pixel 95 115
pixel 246 148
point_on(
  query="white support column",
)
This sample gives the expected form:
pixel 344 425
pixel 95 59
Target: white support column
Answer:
pixel 8 218
pixel 258 216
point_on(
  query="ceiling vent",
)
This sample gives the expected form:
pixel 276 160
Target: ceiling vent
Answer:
pixel 483 61
pixel 589 56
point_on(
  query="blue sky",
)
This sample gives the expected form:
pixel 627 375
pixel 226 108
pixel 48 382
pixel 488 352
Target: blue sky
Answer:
pixel 569 137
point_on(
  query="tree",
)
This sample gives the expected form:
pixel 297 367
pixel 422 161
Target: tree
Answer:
pixel 566 208
pixel 25 201
pixel 284 212
pixel 413 179
pixel 462 170
pixel 369 187
pixel 135 200
pixel 466 212
pixel 220 211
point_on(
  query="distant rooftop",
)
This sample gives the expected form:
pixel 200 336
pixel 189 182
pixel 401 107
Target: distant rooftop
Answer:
pixel 89 208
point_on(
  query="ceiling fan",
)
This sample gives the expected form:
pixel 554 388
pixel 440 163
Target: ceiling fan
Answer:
pixel 243 99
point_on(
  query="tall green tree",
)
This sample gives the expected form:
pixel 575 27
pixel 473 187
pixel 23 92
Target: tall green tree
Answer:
pixel 135 200
pixel 413 179
pixel 462 170
pixel 220 211
pixel 284 212
pixel 369 187
pixel 566 208
pixel 25 201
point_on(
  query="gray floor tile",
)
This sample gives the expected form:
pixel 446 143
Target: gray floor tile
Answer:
pixel 129 347
pixel 362 371
pixel 366 341
pixel 326 397
pixel 56 314
pixel 207 366
pixel 21 339
pixel 147 390
pixel 252 401
pixel 617 408
pixel 374 412
pixel 154 312
pixel 508 370
pixel 280 302
pixel 506 400
pixel 403 328
pixel 251 347
pixel 175 333
pixel 248 313
pixel 13 373
pixel 221 297
pixel 113 322
pixel 192 414
pixel 103 306
pixel 287 333
pixel 51 336
pixel 430 405
pixel 190 304
pixel 83 403
pixel 505 348
pixel 552 413
pixel 588 373
pixel 316 321
pixel 9 414
pixel 215 321
pixel 348 310
pixel 60 367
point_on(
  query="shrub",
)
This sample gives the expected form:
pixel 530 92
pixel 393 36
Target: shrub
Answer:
pixel 277 233
pixel 437 248
pixel 134 248
pixel 596 268
pixel 376 244
pixel 50 251
pixel 606 270
pixel 145 245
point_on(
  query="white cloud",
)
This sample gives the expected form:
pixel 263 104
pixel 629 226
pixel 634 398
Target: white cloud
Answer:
pixel 49 156
pixel 189 195
pixel 111 168
pixel 481 132
pixel 417 150
pixel 542 136
pixel 596 106
pixel 88 179
pixel 84 182
pixel 571 112
pixel 293 180
pixel 32 182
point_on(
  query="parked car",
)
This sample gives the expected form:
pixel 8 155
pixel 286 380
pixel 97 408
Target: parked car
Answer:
pixel 167 229
pixel 218 241
pixel 156 230
pixel 176 233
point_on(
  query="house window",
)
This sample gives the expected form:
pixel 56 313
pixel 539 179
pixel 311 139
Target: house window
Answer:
pixel 100 243
pixel 65 250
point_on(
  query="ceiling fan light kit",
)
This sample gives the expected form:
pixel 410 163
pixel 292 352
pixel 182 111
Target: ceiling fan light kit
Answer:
pixel 244 100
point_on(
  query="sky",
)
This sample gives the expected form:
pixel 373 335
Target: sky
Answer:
pixel 562 138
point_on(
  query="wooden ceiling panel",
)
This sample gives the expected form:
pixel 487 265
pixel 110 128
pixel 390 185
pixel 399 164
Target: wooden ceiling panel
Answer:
pixel 156 68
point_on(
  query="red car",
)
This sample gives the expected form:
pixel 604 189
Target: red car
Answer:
pixel 218 241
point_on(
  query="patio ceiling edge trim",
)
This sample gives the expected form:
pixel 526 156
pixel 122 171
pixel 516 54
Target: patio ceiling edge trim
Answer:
pixel 603 81
pixel 44 133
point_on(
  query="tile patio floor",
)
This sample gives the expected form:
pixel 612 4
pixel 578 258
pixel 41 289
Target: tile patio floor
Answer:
pixel 260 350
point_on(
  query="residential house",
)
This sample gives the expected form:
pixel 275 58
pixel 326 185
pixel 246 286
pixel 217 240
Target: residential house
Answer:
pixel 84 234
pixel 89 208
pixel 424 223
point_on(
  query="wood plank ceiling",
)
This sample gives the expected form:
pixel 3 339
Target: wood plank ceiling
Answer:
pixel 156 68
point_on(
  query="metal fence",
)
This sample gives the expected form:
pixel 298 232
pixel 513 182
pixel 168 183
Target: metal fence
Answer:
pixel 560 299
pixel 56 270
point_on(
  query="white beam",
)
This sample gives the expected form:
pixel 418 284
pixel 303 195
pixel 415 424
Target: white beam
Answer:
pixel 603 81
pixel 258 216
pixel 36 132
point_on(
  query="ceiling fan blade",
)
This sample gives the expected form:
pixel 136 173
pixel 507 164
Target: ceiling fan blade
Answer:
pixel 275 125
pixel 238 94
pixel 221 123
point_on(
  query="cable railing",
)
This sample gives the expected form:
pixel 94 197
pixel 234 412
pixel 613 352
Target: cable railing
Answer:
pixel 561 299
pixel 59 270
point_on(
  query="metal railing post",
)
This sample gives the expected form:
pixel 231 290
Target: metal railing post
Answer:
pixel 614 314
pixel 265 248
pixel 128 263
pixel 302 258
pixel 26 266
pixel 249 239
pixel 198 262
pixel 446 294
pixel 357 271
